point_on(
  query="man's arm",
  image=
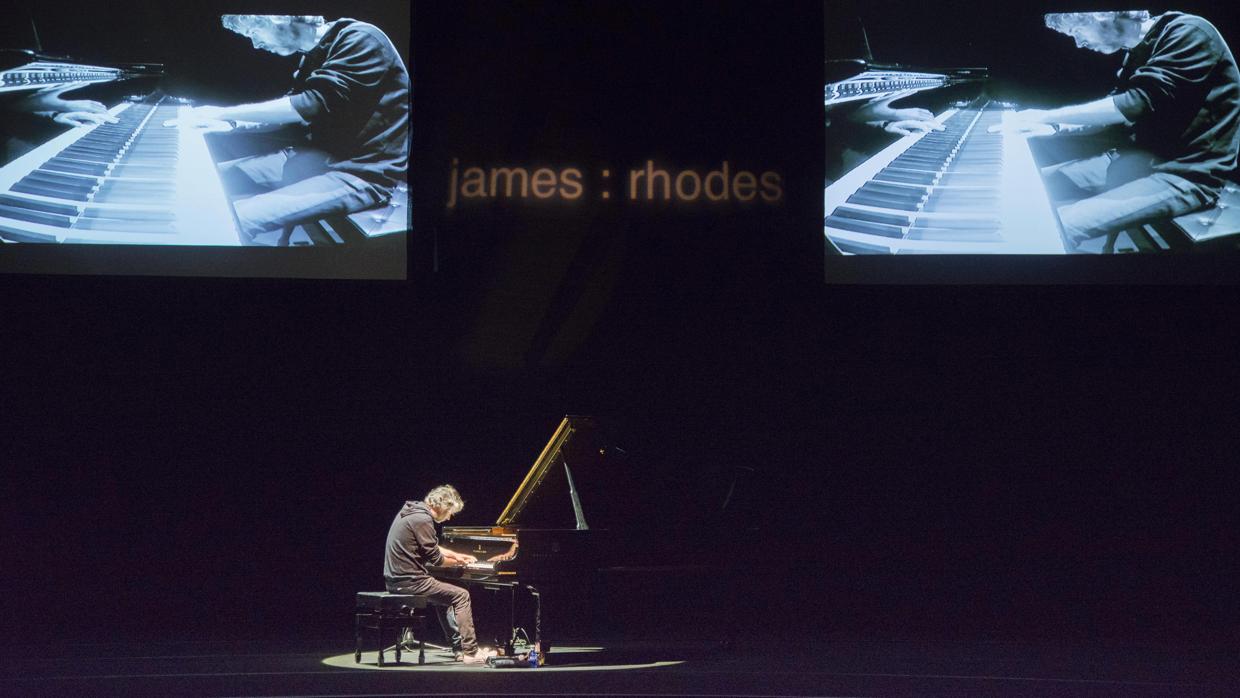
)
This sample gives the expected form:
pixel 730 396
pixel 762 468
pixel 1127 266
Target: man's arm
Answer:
pixel 1100 112
pixel 1078 118
pixel 275 112
pixel 455 557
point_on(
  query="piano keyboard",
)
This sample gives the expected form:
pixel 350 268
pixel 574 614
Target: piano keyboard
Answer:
pixel 132 182
pixel 962 190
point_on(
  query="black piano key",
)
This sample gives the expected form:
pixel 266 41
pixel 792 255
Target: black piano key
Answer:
pixel 129 190
pixel 69 180
pixel 45 206
pixel 864 200
pixel 105 153
pixel 25 214
pixel 149 149
pixel 103 139
pixel 906 176
pixel 154 171
pixel 960 193
pixel 959 207
pixel 56 186
pixel 889 199
pixel 70 166
pixel 968 179
pixel 896 188
pixel 981 165
pixel 42 190
pixel 957 223
pixel 872 216
pixel 124 226
pixel 139 199
pixel 956 234
pixel 87 159
pixel 924 165
pixel 26 236
pixel 129 214
pixel 889 231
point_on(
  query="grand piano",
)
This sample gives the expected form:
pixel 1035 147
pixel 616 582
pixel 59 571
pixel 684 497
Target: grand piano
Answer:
pixel 541 540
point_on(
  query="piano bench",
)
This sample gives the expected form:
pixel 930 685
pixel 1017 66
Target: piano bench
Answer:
pixel 383 611
pixel 384 218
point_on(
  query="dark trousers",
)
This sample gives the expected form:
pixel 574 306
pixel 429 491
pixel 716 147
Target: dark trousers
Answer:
pixel 452 604
pixel 1116 190
pixel 290 185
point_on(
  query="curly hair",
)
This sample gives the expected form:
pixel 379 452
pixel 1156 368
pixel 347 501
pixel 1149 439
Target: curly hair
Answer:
pixel 445 497
pixel 1065 22
pixel 244 24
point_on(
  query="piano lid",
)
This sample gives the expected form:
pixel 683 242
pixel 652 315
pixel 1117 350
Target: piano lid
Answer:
pixel 550 464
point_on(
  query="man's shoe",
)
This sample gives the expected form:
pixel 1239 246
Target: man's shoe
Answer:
pixel 479 656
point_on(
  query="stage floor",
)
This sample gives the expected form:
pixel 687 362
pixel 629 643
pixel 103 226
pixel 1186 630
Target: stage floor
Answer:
pixel 831 667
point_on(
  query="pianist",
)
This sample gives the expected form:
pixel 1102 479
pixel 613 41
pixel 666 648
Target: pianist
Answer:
pixel 1178 97
pixel 412 545
pixel 350 92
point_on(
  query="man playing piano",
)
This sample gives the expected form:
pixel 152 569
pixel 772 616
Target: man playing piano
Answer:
pixel 1178 94
pixel 412 545
pixel 351 91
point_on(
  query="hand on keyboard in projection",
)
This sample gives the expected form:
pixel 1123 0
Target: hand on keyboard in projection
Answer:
pixel 880 113
pixel 1027 122
pixel 905 127
pixel 67 112
pixel 83 118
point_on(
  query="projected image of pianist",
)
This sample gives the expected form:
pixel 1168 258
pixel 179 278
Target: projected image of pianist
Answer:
pixel 1176 106
pixel 337 142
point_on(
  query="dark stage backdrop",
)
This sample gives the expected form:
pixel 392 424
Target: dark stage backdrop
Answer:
pixel 985 461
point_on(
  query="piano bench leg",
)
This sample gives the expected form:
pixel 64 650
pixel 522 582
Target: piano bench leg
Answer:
pixel 357 638
pixel 379 631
